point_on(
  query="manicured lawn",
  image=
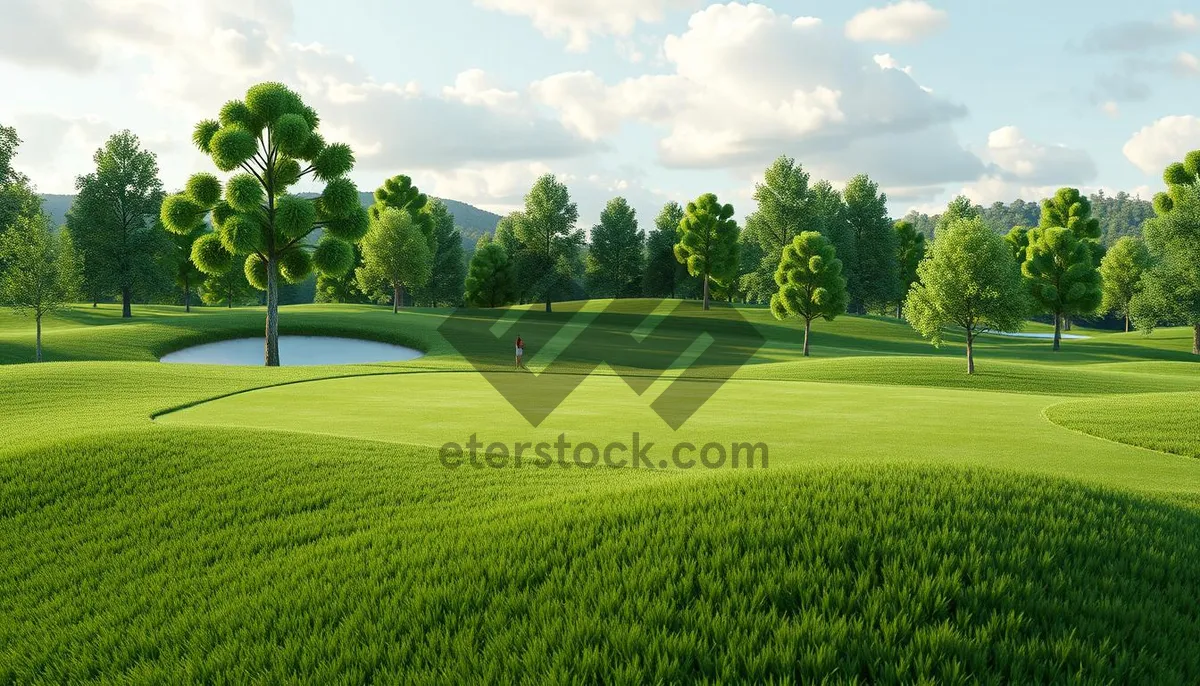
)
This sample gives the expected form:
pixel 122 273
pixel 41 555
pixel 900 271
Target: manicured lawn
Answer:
pixel 297 525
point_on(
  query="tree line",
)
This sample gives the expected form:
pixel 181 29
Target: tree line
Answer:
pixel 809 250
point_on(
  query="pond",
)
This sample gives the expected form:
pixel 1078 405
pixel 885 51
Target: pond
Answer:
pixel 294 351
pixel 1046 336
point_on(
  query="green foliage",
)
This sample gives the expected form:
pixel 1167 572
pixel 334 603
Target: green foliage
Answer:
pixel 203 134
pixel 784 210
pixel 242 235
pixel 333 256
pixel 340 199
pixel 968 281
pixel 185 271
pixel 616 254
pixel 122 247
pixel 960 208
pixel 350 228
pixel 204 190
pixel 1171 288
pixel 287 173
pixel 548 258
pixel 231 147
pixel 664 275
pixel 911 246
pixel 236 113
pixel 41 271
pixel 255 270
pixel 395 255
pixel 270 103
pixel 228 287
pixel 1062 276
pixel 449 268
pixel 491 280
pixel 295 265
pixel 294 216
pixel 211 256
pixel 181 214
pixel 291 132
pixel 810 282
pixel 708 242
pixel 1070 209
pixel 1017 241
pixel 245 193
pixel 333 162
pixel 1121 274
pixel 876 279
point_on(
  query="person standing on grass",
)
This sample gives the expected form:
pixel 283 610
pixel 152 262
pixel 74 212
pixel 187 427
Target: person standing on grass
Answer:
pixel 520 353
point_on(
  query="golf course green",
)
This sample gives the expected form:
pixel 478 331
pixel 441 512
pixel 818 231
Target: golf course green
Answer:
pixel 897 520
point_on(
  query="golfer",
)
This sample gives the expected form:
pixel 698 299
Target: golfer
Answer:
pixel 520 353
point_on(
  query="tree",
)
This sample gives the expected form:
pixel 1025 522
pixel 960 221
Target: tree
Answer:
pixel 446 285
pixel 910 252
pixel 267 136
pixel 395 255
pixel 708 242
pixel 113 222
pixel 17 197
pixel 877 274
pixel 810 282
pixel 549 240
pixel 1171 288
pixel 1121 273
pixel 1017 241
pixel 230 287
pixel 784 210
pixel 959 208
pixel 43 271
pixel 664 274
pixel 616 255
pixel 1062 278
pixel 491 281
pixel 830 217
pixel 968 281
pixel 187 275
pixel 1070 209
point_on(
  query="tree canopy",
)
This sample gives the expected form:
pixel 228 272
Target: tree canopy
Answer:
pixel 910 245
pixel 491 280
pixel 876 280
pixel 1062 276
pixel 550 243
pixel 968 281
pixel 1121 273
pixel 396 256
pixel 271 140
pixel 708 242
pixel 810 282
pixel 615 258
pixel 42 272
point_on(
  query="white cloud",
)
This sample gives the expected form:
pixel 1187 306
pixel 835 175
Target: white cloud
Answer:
pixel 1111 108
pixel 1021 168
pixel 577 21
pixel 906 21
pixel 1163 142
pixel 886 61
pixel 750 83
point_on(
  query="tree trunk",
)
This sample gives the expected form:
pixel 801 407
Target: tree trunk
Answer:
pixel 397 297
pixel 272 334
pixel 187 295
pixel 126 302
pixel 1126 322
pixel 231 295
pixel 807 331
pixel 548 309
pixel 970 352
pixel 706 291
pixel 1196 339
pixel 1057 332
pixel 1066 323
pixel 37 352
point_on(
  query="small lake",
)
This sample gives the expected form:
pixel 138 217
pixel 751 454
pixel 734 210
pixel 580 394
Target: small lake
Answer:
pixel 1045 336
pixel 294 351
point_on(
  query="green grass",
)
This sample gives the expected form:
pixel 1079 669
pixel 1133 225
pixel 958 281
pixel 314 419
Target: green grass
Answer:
pixel 1166 422
pixel 296 525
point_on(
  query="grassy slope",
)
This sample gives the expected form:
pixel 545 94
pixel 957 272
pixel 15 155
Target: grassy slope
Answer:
pixel 170 553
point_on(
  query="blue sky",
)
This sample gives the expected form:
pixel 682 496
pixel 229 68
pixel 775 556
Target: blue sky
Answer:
pixel 656 100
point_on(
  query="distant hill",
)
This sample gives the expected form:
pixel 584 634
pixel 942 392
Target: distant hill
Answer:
pixel 473 221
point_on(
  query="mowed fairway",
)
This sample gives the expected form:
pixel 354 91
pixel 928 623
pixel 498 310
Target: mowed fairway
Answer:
pixel 165 523
pixel 802 424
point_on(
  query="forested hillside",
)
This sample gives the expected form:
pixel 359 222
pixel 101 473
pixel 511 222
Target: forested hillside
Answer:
pixel 1120 215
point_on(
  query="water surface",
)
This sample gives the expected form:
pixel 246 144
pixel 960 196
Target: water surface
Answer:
pixel 294 351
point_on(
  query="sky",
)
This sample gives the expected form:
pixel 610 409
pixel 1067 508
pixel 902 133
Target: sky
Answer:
pixel 653 100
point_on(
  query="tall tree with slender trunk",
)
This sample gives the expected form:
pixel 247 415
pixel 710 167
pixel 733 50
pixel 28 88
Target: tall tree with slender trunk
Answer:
pixel 188 276
pixel 616 253
pixel 1121 273
pixel 265 138
pixel 42 274
pixel 970 282
pixel 784 211
pixel 396 256
pixel 113 221
pixel 708 243
pixel 911 251
pixel 877 275
pixel 549 240
pixel 664 274
pixel 445 287
pixel 810 282
pixel 1061 275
